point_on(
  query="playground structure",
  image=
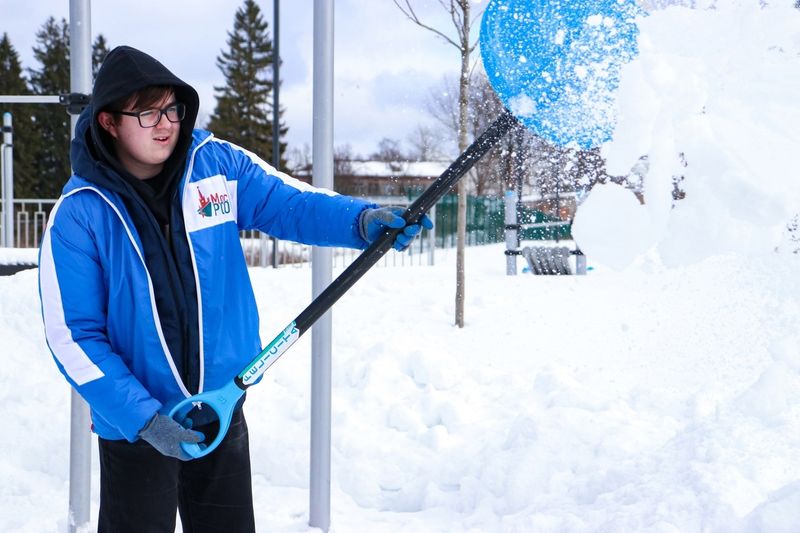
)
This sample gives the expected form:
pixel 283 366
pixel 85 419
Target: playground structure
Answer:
pixel 542 259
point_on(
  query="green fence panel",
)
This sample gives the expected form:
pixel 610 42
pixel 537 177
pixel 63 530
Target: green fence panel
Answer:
pixel 547 233
pixel 486 222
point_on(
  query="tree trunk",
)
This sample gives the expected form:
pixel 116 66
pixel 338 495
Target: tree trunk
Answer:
pixel 461 226
pixel 460 16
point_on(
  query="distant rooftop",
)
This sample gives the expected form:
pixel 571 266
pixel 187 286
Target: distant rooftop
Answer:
pixel 416 169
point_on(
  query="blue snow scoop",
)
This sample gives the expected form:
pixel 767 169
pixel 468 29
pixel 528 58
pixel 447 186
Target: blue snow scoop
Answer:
pixel 555 66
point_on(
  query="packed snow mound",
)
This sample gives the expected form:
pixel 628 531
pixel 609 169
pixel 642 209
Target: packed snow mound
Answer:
pixel 710 98
pixel 612 227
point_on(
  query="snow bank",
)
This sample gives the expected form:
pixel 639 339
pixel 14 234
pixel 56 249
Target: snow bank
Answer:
pixel 711 97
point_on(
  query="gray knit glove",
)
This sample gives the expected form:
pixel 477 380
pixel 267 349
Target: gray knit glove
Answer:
pixel 166 435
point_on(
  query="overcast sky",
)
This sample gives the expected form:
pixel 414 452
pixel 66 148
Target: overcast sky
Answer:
pixel 384 65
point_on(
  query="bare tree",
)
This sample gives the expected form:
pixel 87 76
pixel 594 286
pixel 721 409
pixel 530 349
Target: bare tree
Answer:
pixel 298 159
pixel 424 144
pixel 484 107
pixel 389 150
pixel 460 17
pixel 343 158
pixel 442 106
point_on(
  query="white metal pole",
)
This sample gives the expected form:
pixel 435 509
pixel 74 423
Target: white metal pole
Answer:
pixel 580 263
pixel 2 190
pixel 276 114
pixel 432 238
pixel 35 99
pixel 8 182
pixel 320 475
pixel 2 194
pixel 512 229
pixel 80 450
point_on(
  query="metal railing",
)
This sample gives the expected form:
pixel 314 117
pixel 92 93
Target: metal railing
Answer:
pixel 257 249
pixel 30 220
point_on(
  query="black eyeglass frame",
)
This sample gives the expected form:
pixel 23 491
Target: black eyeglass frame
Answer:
pixel 180 108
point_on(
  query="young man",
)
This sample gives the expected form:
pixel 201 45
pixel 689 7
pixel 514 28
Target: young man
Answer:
pixel 145 293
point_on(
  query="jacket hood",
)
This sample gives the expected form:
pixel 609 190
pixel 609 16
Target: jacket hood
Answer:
pixel 125 71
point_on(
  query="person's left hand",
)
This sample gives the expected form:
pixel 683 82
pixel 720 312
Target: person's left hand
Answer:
pixel 373 222
pixel 166 435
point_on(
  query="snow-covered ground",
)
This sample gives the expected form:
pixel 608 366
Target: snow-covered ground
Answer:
pixel 658 400
pixel 661 392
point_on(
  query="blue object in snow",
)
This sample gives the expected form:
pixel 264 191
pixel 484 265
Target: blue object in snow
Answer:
pixel 555 63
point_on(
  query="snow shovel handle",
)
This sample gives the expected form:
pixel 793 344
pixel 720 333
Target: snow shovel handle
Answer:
pixel 441 186
pixel 222 401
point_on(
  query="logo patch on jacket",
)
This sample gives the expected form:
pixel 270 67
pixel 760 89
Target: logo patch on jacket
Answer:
pixel 214 204
pixel 209 202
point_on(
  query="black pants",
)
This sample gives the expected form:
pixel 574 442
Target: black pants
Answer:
pixel 140 489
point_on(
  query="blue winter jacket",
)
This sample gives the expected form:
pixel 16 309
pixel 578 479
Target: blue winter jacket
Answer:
pixel 98 303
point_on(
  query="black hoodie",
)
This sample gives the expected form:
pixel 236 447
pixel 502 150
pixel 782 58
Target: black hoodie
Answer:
pixel 126 70
pixel 152 204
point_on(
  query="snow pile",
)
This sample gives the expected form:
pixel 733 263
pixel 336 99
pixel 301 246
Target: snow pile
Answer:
pixel 19 256
pixel 711 97
pixel 611 226
pixel 659 401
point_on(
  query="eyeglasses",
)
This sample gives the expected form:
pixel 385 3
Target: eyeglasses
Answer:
pixel 149 118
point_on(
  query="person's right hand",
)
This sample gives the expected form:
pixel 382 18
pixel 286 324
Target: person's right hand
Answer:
pixel 166 435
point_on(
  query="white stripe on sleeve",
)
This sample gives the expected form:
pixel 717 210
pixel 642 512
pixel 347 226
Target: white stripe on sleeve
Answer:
pixel 77 365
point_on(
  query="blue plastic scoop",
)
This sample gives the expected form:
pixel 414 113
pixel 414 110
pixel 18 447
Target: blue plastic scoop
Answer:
pixel 555 64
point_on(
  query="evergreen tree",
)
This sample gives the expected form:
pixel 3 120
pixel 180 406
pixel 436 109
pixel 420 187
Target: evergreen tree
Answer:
pixel 99 52
pixel 12 82
pixel 51 122
pixel 243 114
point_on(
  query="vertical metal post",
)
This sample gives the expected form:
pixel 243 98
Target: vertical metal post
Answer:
pixel 80 449
pixel 580 263
pixel 262 249
pixel 558 208
pixel 320 493
pixel 432 237
pixel 511 229
pixel 8 182
pixel 276 123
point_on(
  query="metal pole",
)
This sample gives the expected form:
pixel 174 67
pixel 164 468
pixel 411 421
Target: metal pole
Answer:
pixel 80 449
pixel 580 263
pixel 432 238
pixel 8 182
pixel 511 230
pixel 322 272
pixel 558 206
pixel 262 243
pixel 36 99
pixel 276 123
